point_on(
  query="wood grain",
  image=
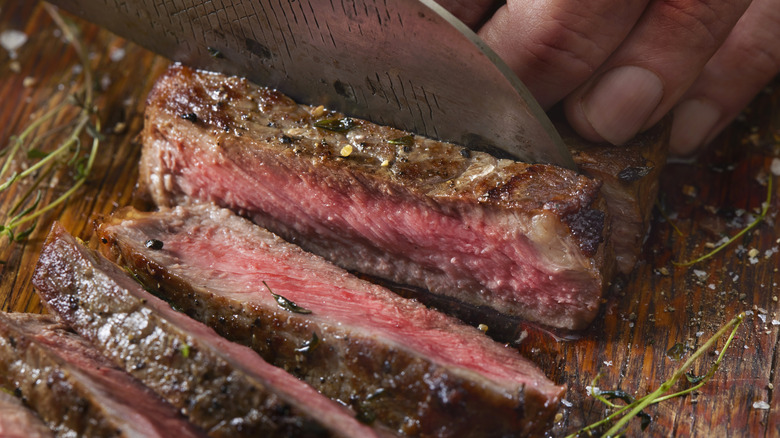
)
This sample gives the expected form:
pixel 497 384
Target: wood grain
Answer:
pixel 644 315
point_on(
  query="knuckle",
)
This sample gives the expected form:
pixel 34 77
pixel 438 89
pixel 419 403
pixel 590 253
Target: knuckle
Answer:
pixel 564 45
pixel 706 22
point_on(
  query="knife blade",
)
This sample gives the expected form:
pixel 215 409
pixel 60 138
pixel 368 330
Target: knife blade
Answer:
pixel 409 64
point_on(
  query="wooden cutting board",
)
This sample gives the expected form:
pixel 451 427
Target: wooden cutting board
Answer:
pixel 658 306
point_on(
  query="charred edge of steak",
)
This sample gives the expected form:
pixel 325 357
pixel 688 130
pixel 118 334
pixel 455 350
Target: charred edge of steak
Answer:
pixel 166 350
pixel 18 421
pixel 74 389
pixel 398 388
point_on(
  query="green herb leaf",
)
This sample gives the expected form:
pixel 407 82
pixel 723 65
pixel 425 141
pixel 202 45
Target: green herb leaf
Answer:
pixel 309 345
pixel 676 352
pixel 36 154
pixel 23 235
pixel 94 133
pixel 692 378
pixel 184 349
pixel 342 125
pixel 215 53
pixel 406 140
pixel 286 304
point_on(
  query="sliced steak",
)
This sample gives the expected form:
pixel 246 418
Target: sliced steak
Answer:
pixel 527 240
pixel 392 359
pixel 74 389
pixel 630 175
pixel 225 388
pixel 17 421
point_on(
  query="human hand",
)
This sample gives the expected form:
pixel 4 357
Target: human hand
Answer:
pixel 620 65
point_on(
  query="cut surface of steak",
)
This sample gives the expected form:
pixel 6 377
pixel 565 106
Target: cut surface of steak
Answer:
pixel 527 240
pixel 75 390
pixel 17 421
pixel 223 387
pixel 410 368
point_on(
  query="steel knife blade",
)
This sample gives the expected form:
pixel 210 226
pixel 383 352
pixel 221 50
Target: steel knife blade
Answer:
pixel 404 63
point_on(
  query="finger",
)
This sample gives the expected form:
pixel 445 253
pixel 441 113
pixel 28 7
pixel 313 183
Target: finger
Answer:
pixel 471 12
pixel 555 45
pixel 746 62
pixel 652 68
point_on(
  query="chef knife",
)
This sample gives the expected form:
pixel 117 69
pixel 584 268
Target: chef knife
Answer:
pixel 403 63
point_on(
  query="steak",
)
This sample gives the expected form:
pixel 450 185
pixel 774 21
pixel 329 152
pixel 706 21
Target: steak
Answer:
pixel 392 360
pixel 17 421
pixel 528 240
pixel 223 387
pixel 629 176
pixel 74 389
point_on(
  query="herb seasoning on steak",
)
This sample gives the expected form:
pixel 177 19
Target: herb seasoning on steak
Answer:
pixel 392 359
pixel 225 388
pixel 529 240
pixel 75 390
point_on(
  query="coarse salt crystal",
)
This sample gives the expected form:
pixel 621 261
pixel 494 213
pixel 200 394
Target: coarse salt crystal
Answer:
pixel 608 363
pixel 775 167
pixel 761 405
pixel 775 322
pixel 566 403
pixel 117 54
pixel 12 40
pixel 699 273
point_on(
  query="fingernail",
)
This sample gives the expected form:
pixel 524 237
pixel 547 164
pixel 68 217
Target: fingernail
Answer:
pixel 622 100
pixel 693 121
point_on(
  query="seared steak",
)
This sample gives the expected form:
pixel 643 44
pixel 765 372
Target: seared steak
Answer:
pixel 629 176
pixel 527 240
pixel 392 359
pixel 74 389
pixel 223 387
pixel 17 421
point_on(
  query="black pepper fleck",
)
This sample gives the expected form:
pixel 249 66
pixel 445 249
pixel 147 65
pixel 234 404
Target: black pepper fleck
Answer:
pixel 191 117
pixel 154 244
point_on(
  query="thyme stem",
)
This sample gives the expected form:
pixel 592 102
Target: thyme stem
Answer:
pixel 764 210
pixel 659 394
pixel 65 155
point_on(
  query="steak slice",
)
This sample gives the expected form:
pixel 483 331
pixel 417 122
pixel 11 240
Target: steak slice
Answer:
pixel 629 176
pixel 392 359
pixel 527 240
pixel 223 387
pixel 17 421
pixel 74 389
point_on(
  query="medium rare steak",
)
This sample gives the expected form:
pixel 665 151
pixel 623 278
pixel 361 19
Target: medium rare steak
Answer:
pixel 527 240
pixel 392 359
pixel 74 389
pixel 17 421
pixel 225 388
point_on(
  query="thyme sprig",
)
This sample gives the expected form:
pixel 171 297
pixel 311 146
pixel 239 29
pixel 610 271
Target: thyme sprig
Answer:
pixel 620 418
pixel 756 221
pixel 68 154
